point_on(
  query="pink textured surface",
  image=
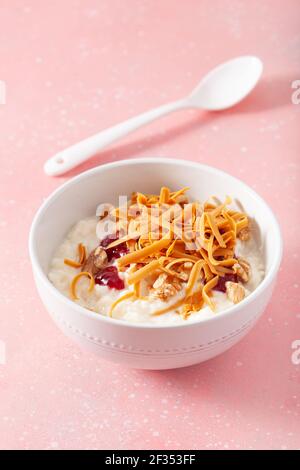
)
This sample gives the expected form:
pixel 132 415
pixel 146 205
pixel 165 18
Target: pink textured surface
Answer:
pixel 73 67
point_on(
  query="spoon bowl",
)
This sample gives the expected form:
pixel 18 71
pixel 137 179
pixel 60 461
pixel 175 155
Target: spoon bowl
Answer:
pixel 227 84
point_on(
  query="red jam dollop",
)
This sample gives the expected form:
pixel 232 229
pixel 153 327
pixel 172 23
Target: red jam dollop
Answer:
pixel 116 251
pixel 109 277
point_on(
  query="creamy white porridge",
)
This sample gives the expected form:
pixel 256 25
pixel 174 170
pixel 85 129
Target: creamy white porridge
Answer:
pixel 101 297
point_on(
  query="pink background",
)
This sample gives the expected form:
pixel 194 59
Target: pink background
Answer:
pixel 73 67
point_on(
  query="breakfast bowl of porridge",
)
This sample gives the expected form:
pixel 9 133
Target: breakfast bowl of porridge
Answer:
pixel 155 263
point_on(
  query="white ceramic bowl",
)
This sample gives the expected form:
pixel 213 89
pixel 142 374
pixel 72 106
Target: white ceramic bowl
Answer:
pixel 142 345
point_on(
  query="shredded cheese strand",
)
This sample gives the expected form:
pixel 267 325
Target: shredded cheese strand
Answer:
pixel 126 296
pixel 82 257
pixel 72 263
pixel 148 250
pixel 171 248
pixel 213 261
pixel 143 272
pixel 75 281
pixel 215 229
pixel 131 236
pixel 194 275
pixel 208 287
pixel 82 253
pixel 164 195
pixel 170 307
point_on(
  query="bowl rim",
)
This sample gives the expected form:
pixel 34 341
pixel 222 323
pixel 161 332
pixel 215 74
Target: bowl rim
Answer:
pixel 37 269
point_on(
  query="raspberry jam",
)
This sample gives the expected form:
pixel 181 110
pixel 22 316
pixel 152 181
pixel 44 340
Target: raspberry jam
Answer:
pixel 109 277
pixel 222 281
pixel 116 251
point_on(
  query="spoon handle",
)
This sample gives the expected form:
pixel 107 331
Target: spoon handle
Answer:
pixel 82 151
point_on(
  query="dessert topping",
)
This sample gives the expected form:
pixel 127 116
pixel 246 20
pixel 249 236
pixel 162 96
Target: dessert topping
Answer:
pixel 109 277
pixel 244 234
pixel 96 261
pixel 235 292
pixel 164 287
pixel 168 244
pixel 242 269
pixel 75 281
pixel 81 257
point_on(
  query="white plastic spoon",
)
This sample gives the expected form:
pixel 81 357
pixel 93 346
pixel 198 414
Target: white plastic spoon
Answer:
pixel 223 87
